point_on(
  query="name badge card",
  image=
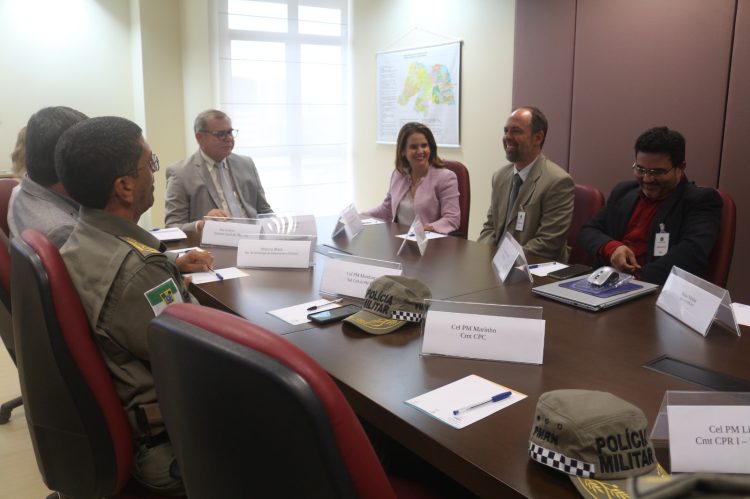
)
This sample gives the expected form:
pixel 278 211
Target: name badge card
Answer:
pixel 416 230
pixel 696 302
pixel 351 276
pixel 509 251
pixel 349 222
pixel 220 233
pixel 274 253
pixel 709 438
pixel 483 331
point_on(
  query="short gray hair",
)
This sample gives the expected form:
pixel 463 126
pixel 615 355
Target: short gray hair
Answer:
pixel 201 121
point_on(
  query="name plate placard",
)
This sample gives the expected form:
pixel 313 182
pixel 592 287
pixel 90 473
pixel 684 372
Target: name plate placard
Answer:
pixel 509 251
pixel 352 278
pixel 348 222
pixel 511 338
pixel 274 253
pixel 696 302
pixel 221 233
pixel 709 438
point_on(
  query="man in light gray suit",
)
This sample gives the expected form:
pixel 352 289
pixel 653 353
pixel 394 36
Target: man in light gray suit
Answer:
pixel 532 198
pixel 213 181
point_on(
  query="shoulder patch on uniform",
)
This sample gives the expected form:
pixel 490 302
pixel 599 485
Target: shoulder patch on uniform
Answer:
pixel 138 246
pixel 163 295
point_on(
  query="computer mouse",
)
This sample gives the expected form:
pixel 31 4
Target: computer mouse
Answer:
pixel 604 276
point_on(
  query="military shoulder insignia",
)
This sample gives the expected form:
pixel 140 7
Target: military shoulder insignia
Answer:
pixel 139 247
pixel 163 295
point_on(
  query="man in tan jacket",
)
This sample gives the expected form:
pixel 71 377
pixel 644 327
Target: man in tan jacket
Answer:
pixel 532 198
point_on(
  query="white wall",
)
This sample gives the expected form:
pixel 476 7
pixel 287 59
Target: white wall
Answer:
pixel 75 53
pixel 487 30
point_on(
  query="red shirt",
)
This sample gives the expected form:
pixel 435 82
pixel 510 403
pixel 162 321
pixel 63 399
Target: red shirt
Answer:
pixel 637 233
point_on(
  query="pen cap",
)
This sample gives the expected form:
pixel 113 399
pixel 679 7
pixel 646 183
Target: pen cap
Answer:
pixel 390 302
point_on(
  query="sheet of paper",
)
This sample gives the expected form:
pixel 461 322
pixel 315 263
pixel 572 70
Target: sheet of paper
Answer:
pixel 182 251
pixel 542 269
pixel 742 313
pixel 297 314
pixel 441 402
pixel 413 237
pixel 372 221
pixel 227 273
pixel 169 234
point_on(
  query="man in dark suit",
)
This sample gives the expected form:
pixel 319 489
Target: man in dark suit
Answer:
pixel 658 220
pixel 213 181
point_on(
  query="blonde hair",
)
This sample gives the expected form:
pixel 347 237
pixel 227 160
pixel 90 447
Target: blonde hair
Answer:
pixel 18 156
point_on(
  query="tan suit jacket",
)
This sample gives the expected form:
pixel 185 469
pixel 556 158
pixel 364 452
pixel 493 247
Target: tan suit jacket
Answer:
pixel 547 199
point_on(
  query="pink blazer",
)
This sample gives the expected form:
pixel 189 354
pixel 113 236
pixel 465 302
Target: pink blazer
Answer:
pixel 435 202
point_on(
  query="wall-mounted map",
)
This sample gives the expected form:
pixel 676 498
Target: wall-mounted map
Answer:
pixel 420 84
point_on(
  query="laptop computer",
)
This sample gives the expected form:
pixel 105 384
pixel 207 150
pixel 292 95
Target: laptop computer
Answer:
pixel 566 292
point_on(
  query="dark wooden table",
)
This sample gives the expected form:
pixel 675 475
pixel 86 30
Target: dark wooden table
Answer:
pixel 599 351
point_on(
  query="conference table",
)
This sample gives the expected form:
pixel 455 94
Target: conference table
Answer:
pixel 605 350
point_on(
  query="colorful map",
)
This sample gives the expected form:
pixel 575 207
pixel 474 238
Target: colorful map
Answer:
pixel 429 86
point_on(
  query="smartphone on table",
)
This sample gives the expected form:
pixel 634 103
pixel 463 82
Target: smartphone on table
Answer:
pixel 570 271
pixel 333 314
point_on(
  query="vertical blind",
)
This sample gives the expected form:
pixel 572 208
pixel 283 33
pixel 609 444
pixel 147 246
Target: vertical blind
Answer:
pixel 284 82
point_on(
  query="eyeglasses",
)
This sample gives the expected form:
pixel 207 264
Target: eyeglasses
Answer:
pixel 153 163
pixel 223 134
pixel 656 173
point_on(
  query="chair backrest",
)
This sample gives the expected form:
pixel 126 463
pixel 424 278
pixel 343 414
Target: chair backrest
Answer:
pixel 78 427
pixel 6 323
pixel 464 191
pixel 587 201
pixel 720 260
pixel 250 414
pixel 6 188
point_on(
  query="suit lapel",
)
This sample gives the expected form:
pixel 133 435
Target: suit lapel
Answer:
pixel 502 205
pixel 235 181
pixel 206 178
pixel 628 205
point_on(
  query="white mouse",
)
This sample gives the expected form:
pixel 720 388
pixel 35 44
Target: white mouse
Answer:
pixel 604 276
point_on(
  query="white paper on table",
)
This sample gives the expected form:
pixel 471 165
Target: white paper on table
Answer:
pixel 169 234
pixel 441 402
pixel 372 221
pixel 543 270
pixel 430 235
pixel 182 251
pixel 227 273
pixel 297 314
pixel 742 313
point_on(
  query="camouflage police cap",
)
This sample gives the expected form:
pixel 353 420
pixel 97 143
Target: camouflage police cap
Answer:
pixel 591 436
pixel 390 302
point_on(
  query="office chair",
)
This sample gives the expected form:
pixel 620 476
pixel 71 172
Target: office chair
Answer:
pixel 250 414
pixel 720 260
pixel 587 201
pixel 464 200
pixel 6 323
pixel 81 437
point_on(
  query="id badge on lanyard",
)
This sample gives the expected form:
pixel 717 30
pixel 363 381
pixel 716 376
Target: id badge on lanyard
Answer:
pixel 661 241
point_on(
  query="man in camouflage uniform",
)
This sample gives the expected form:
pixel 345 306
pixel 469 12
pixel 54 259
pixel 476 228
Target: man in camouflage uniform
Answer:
pixel 121 273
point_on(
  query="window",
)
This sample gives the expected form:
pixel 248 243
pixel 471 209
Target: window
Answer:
pixel 284 82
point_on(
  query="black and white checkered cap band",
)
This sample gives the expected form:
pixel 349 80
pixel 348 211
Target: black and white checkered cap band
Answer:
pixel 560 462
pixel 406 316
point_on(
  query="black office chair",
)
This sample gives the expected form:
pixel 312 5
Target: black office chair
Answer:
pixel 6 321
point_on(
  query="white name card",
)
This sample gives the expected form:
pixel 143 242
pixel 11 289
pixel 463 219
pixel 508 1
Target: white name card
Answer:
pixel 688 302
pixel 273 253
pixel 349 221
pixel 219 233
pixel 709 438
pixel 491 337
pixel 342 277
pixel 508 252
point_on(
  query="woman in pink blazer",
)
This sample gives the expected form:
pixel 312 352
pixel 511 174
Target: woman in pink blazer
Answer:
pixel 420 185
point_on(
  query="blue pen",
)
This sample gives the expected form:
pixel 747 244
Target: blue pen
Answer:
pixel 537 265
pixel 219 276
pixel 495 398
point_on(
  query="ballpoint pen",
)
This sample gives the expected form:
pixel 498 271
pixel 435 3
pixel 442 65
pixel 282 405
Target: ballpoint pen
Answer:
pixel 218 276
pixel 537 265
pixel 495 398
pixel 316 307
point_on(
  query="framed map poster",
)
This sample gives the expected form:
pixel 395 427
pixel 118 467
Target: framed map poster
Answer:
pixel 420 84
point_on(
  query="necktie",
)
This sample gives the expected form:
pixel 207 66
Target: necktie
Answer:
pixel 234 209
pixel 515 187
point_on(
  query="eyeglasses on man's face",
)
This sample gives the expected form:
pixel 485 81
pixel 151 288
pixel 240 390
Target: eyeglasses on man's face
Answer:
pixel 654 172
pixel 223 134
pixel 153 163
